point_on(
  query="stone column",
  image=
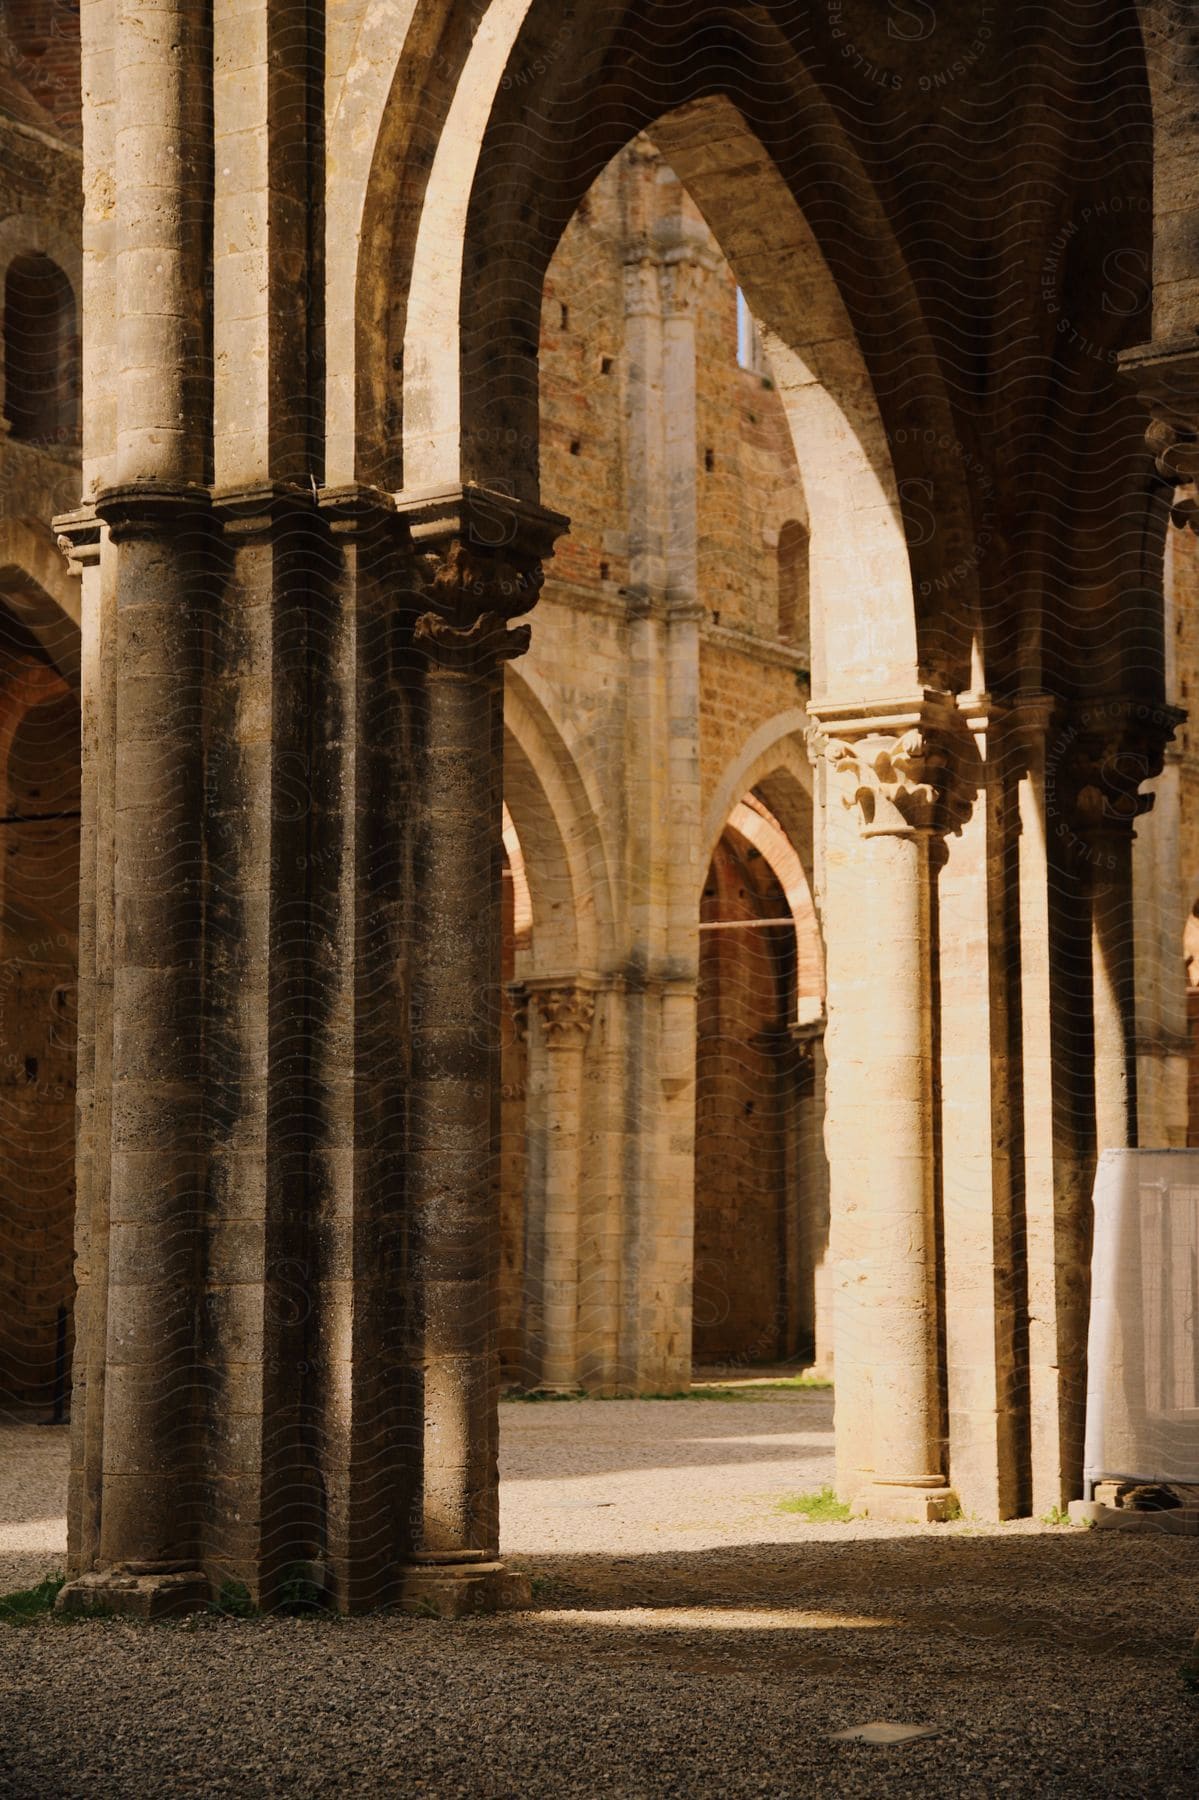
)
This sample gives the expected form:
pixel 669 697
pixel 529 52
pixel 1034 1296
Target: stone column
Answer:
pixel 1053 1148
pixel 152 1485
pixel 151 1489
pixel 890 766
pixel 565 1011
pixel 480 566
pixel 1078 774
pixel 984 1253
pixel 807 1192
pixel 665 274
pixel 1161 904
pixel 1108 748
pixel 80 540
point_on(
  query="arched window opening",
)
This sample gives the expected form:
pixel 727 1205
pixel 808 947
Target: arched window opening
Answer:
pixel 793 582
pixel 41 376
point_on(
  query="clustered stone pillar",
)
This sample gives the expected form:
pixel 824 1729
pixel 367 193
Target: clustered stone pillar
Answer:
pixel 151 1482
pixel 565 1011
pixel 151 1498
pixel 480 557
pixel 665 285
pixel 889 768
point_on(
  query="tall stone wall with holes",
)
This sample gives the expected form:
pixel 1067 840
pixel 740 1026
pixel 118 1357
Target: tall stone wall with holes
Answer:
pixel 747 482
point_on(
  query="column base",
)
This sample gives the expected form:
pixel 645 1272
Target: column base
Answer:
pixel 1181 1521
pixel 460 1590
pixel 134 1596
pixel 901 1505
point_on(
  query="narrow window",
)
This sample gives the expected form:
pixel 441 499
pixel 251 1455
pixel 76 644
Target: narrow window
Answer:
pixel 749 350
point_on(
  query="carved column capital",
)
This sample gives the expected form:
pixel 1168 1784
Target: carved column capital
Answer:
pixel 478 565
pixel 904 766
pixel 1098 757
pixel 77 535
pixel 1165 376
pixel 566 1010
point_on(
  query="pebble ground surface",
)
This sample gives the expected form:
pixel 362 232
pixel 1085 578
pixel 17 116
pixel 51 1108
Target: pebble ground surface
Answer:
pixel 687 1638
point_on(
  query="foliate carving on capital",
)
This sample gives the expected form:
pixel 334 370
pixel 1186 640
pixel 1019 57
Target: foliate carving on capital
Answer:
pixel 1175 450
pixel 1098 759
pixel 466 581
pixel 566 1013
pixel 897 782
pixel 518 1000
pixel 1166 377
pixel 473 594
pixel 486 641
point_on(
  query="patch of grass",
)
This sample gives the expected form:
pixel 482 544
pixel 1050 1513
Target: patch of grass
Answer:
pixel 758 1390
pixel 823 1508
pixel 1057 1515
pixel 953 1513
pixel 299 1594
pixel 692 1394
pixel 234 1602
pixel 26 1605
pixel 533 1396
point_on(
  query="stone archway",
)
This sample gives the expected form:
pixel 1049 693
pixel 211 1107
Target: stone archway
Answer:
pixel 555 1179
pixel 312 515
pixel 469 409
pixel 761 1181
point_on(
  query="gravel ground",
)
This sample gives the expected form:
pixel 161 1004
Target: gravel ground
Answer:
pixel 688 1639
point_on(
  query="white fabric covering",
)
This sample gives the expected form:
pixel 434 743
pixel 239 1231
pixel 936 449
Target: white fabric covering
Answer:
pixel 1143 1346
